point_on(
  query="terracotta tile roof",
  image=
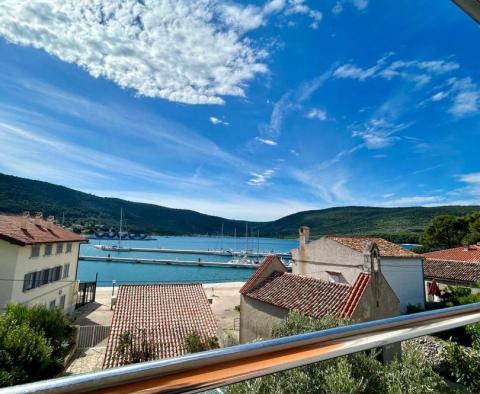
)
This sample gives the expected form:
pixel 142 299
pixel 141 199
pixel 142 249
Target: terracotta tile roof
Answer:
pixel 313 297
pixel 469 253
pixel 267 261
pixel 168 313
pixel 387 249
pixel 11 231
pixel 355 295
pixel 451 270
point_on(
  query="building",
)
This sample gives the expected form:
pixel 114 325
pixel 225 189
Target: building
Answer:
pixel 166 313
pixel 38 262
pixel 455 266
pixel 271 292
pixel 341 259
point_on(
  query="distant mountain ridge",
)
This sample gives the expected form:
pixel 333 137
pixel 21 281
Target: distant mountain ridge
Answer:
pixel 399 224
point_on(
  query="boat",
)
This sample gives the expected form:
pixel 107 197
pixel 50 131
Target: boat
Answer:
pixel 118 247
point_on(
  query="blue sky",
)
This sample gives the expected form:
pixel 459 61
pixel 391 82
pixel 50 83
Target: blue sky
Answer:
pixel 250 110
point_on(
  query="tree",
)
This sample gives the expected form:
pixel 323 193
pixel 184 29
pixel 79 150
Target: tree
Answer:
pixel 445 231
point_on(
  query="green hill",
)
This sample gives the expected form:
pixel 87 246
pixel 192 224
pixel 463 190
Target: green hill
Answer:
pixel 399 224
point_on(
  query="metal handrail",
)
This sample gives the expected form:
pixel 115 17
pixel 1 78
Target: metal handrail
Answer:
pixel 201 371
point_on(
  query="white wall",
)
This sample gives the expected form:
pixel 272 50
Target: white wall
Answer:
pixel 8 262
pixel 51 291
pixel 322 255
pixel 405 275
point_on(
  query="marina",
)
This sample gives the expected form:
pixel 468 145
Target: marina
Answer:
pixel 228 253
pixel 199 263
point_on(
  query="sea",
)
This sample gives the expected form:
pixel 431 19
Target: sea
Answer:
pixel 118 273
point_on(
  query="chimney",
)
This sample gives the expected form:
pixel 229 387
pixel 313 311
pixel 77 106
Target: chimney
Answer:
pixel 50 221
pixel 304 235
pixel 24 220
pixel 38 218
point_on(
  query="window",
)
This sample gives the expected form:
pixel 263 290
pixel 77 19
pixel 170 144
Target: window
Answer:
pixel 35 251
pixel 52 304
pixel 59 249
pixel 44 277
pixel 57 273
pixel 66 269
pixel 28 281
pixel 48 249
pixel 336 277
pixel 69 248
pixel 62 302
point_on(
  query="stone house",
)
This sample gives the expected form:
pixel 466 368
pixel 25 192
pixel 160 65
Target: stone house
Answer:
pixel 341 259
pixel 271 292
pixel 39 262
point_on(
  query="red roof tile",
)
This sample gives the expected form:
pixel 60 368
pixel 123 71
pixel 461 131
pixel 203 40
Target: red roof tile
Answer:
pixel 452 271
pixel 11 231
pixel 313 297
pixel 469 253
pixel 386 248
pixel 168 313
pixel 355 295
pixel 261 271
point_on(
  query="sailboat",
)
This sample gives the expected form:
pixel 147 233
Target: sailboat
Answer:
pixel 118 247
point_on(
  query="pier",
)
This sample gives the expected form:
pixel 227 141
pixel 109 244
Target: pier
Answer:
pixel 136 260
pixel 228 253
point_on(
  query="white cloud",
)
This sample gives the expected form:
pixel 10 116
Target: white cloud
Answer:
pixel 466 97
pixel 266 141
pixel 439 96
pixel 379 133
pixel 260 179
pixel 249 17
pixel 317 113
pixel 181 51
pixel 419 72
pixel 415 200
pixel 472 180
pixel 214 120
pixel 360 5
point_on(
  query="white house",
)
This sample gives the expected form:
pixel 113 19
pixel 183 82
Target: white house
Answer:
pixel 341 259
pixel 38 262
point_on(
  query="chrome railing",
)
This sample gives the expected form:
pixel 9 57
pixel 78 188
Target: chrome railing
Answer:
pixel 202 371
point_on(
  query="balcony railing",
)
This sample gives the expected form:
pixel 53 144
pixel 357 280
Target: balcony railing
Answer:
pixel 206 370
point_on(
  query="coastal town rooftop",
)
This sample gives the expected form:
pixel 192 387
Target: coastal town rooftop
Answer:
pixel 26 230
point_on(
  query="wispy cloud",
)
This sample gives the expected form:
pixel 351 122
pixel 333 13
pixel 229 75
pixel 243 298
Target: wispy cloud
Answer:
pixel 360 5
pixel 415 200
pixel 266 141
pixel 379 133
pixel 217 121
pixel 317 113
pixel 260 179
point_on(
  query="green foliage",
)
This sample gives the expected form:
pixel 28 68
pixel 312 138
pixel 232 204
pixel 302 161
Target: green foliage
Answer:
pixel 33 343
pixel 447 231
pixel 459 295
pixel 357 373
pixel 395 224
pixel 194 343
pixel 463 365
pixel 411 308
pixel 135 347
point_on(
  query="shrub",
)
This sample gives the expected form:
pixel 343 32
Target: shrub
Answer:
pixel 194 343
pixel 134 347
pixel 411 308
pixel 463 365
pixel 25 354
pixel 357 373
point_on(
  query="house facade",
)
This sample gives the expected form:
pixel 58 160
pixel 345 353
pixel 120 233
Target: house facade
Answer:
pixel 39 262
pixel 341 259
pixel 271 293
